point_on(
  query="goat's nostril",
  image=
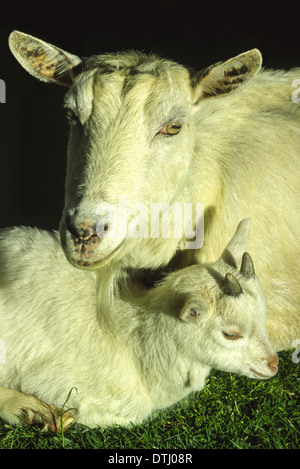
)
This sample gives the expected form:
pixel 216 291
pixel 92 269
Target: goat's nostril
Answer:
pixel 80 234
pixel 101 229
pixel 86 234
pixel 273 362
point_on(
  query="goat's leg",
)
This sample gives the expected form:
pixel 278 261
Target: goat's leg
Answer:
pixel 16 407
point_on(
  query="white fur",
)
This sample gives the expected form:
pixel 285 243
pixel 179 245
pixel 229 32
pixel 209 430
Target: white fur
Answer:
pixel 237 152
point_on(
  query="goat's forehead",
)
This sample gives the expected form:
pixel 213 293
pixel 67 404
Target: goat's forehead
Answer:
pixel 245 311
pixel 146 76
pixel 144 90
pixel 134 65
pixel 131 63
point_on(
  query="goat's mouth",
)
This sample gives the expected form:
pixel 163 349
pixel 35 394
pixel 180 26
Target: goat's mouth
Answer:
pixel 262 376
pixel 84 262
pixel 86 256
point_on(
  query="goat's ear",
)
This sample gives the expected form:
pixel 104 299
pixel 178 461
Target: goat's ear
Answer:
pixel 233 253
pixel 224 77
pixel 193 312
pixel 42 60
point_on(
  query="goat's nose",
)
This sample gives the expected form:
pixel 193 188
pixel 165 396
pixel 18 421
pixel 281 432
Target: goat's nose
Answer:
pixel 273 362
pixel 81 233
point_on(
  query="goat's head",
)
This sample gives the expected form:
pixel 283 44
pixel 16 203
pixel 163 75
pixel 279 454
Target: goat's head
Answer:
pixel 223 309
pixel 130 140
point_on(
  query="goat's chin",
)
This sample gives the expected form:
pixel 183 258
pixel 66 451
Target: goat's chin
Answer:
pixel 91 264
pixel 262 374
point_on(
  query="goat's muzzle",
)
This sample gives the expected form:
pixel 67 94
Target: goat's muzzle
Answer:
pixel 84 243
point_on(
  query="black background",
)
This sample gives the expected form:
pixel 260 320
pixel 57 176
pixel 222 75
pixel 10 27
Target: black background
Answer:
pixel 33 130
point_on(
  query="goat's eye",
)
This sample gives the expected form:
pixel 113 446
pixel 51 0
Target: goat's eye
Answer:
pixel 232 336
pixel 71 115
pixel 172 128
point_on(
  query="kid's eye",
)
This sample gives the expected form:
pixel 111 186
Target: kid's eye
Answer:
pixel 232 336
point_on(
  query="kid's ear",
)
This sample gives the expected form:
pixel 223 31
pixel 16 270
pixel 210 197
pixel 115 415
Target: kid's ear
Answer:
pixel 224 77
pixel 193 312
pixel 43 60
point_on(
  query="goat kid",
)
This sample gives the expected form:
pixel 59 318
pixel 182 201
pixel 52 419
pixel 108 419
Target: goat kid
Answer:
pixel 162 346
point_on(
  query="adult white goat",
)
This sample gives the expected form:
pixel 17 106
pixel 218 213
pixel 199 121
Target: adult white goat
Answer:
pixel 164 342
pixel 152 131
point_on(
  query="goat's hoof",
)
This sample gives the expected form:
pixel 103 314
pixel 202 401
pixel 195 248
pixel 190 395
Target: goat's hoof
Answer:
pixel 48 418
pixel 61 423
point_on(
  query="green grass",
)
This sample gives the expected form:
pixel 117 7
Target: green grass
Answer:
pixel 231 412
